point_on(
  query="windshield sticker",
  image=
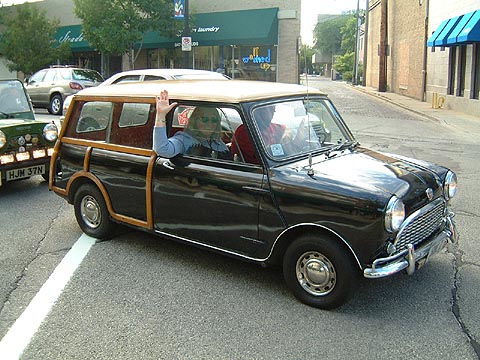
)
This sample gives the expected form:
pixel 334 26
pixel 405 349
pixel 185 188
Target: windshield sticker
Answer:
pixel 277 150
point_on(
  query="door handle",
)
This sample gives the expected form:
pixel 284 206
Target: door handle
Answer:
pixel 168 165
pixel 255 190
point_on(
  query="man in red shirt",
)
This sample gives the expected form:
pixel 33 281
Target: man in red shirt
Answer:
pixel 271 134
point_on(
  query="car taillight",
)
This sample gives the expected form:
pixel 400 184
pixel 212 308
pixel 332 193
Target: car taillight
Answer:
pixel 75 86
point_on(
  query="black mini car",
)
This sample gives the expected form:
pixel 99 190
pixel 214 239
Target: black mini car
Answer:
pixel 26 144
pixel 296 189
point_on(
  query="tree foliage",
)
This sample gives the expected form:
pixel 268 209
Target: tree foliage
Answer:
pixel 28 40
pixel 328 35
pixel 118 27
pixel 306 53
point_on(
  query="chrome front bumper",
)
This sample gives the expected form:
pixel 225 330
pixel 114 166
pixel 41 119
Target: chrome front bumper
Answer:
pixel 412 258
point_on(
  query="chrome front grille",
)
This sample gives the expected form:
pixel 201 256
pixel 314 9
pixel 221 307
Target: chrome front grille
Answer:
pixel 420 225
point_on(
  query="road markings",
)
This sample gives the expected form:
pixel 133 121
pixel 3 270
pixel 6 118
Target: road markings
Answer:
pixel 20 334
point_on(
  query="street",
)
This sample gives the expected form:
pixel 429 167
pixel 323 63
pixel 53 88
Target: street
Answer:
pixel 138 296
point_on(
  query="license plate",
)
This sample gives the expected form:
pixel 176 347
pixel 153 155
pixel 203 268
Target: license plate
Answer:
pixel 25 172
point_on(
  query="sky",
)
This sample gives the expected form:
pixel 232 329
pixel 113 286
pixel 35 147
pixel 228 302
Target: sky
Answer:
pixel 310 11
pixel 312 8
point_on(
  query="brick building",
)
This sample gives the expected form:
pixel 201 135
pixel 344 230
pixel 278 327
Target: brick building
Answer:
pixel 403 57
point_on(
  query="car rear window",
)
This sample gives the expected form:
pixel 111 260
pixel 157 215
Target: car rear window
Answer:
pixel 88 75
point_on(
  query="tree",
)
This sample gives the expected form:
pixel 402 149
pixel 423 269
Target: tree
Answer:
pixel 306 53
pixel 344 65
pixel 328 36
pixel 28 42
pixel 117 27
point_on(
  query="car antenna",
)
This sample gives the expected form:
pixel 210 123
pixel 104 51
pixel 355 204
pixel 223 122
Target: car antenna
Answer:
pixel 310 171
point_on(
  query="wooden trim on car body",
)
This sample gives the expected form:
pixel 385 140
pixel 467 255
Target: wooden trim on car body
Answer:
pixel 85 173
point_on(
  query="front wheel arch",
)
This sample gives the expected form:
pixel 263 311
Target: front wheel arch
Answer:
pixel 294 232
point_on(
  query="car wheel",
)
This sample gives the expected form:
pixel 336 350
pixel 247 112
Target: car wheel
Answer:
pixel 56 104
pixel 92 213
pixel 320 272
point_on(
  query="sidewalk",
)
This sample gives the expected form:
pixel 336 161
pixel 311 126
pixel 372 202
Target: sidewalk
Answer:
pixel 467 122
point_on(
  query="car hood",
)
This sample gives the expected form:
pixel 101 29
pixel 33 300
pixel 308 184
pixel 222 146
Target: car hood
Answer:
pixel 16 122
pixel 369 174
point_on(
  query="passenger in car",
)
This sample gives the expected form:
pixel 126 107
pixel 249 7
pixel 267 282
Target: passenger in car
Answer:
pixel 271 134
pixel 202 135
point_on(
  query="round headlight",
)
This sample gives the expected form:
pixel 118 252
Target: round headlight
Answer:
pixel 3 139
pixel 450 185
pixel 50 132
pixel 394 215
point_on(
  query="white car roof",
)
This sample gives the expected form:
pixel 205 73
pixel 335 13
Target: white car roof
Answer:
pixel 169 74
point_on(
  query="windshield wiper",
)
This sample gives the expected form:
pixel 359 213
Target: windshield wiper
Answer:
pixel 7 116
pixel 348 144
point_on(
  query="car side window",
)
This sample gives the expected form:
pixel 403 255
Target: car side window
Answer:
pixel 134 114
pixel 153 77
pixel 37 77
pixel 127 78
pixel 132 125
pixel 211 127
pixel 95 116
pixel 51 75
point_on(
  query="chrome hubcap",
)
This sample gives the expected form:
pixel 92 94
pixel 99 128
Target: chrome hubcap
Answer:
pixel 56 105
pixel 315 273
pixel 90 211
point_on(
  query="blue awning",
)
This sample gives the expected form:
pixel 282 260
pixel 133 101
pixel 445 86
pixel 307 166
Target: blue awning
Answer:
pixel 459 30
pixel 471 31
pixel 452 38
pixel 431 39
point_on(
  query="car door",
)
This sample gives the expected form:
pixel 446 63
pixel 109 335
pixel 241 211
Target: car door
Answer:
pixel 34 86
pixel 210 201
pixel 48 82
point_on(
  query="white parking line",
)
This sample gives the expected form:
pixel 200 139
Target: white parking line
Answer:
pixel 20 334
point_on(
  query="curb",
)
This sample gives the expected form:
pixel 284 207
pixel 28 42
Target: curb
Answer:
pixel 389 100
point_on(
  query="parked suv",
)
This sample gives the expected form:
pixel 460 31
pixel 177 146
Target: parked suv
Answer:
pixel 26 144
pixel 48 88
pixel 268 173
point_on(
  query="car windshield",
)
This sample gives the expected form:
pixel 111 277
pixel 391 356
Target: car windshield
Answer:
pixel 88 75
pixel 13 98
pixel 291 128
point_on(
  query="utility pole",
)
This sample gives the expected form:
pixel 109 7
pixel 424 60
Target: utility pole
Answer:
pixel 357 41
pixel 382 48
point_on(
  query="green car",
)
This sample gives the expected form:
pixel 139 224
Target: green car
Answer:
pixel 26 144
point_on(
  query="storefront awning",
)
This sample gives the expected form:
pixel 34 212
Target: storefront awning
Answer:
pixel 243 27
pixel 74 35
pixel 459 30
pixel 440 36
pixel 471 31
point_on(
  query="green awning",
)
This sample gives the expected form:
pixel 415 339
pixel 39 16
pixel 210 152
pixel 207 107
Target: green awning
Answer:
pixel 74 35
pixel 242 27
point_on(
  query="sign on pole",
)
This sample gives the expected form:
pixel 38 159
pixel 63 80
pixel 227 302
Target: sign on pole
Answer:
pixel 186 43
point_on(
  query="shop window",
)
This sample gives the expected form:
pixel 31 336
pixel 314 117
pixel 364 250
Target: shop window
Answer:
pixel 462 67
pixel 476 72
pixel 452 64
